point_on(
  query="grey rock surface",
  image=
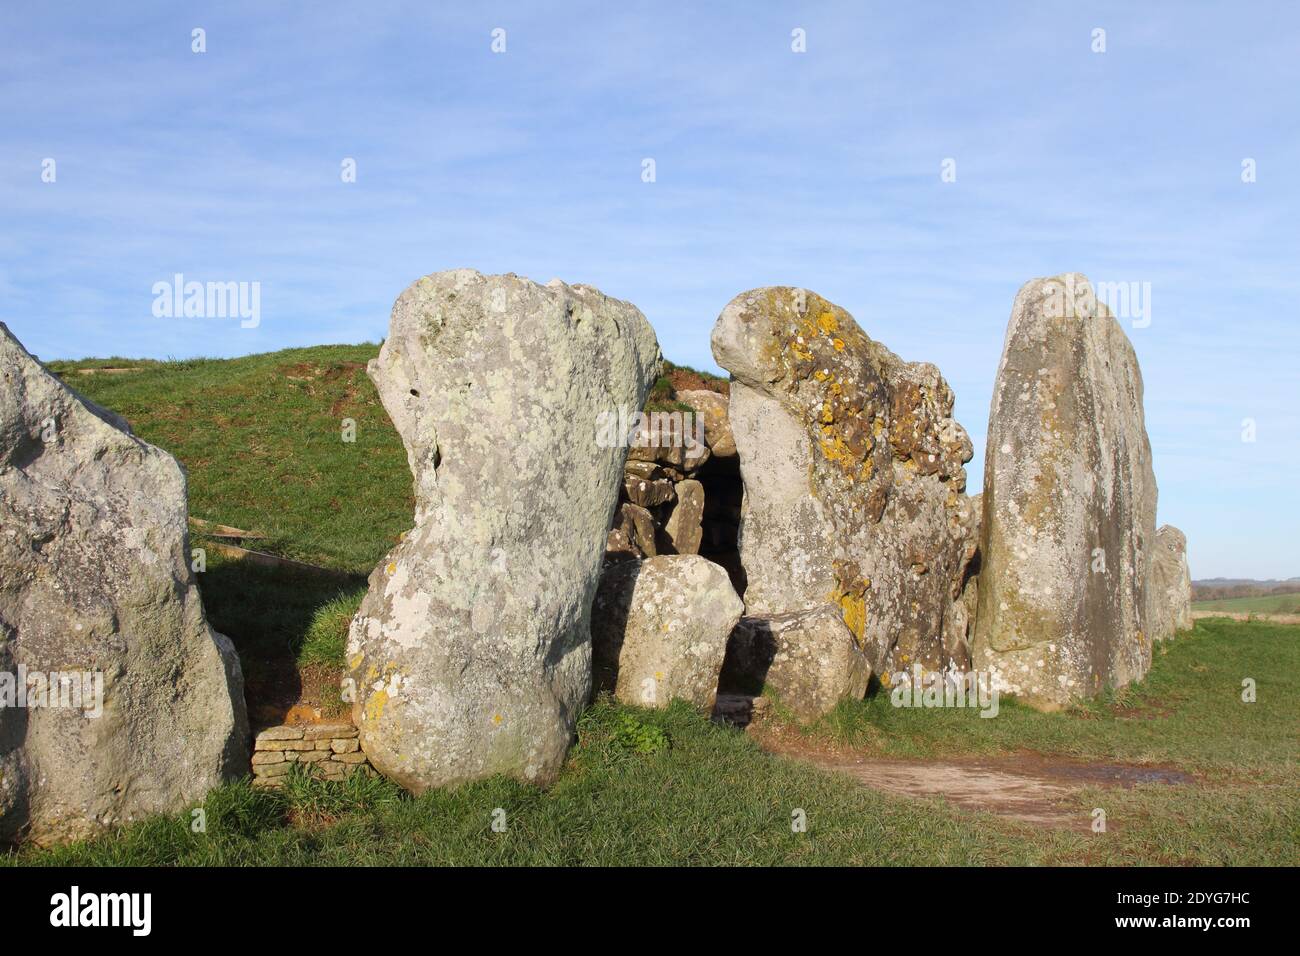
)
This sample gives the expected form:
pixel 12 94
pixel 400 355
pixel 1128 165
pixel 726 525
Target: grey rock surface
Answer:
pixel 852 466
pixel 95 582
pixel 471 653
pixel 809 659
pixel 1069 503
pixel 1171 584
pixel 659 629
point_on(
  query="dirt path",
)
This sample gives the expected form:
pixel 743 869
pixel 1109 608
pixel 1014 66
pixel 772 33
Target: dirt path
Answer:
pixel 1028 787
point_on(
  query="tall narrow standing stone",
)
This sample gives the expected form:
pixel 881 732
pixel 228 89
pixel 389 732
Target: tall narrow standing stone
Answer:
pixel 471 653
pixel 1171 584
pixel 1069 503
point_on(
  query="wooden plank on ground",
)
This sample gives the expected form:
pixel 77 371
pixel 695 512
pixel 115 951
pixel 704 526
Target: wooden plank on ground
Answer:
pixel 275 561
pixel 212 529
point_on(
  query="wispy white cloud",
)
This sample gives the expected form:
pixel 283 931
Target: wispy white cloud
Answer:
pixel 818 169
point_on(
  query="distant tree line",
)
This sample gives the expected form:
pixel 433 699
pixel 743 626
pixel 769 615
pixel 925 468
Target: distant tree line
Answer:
pixel 1220 592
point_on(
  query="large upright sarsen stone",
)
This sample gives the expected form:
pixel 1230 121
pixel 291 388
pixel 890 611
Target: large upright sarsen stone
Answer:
pixel 117 699
pixel 852 467
pixel 471 653
pixel 1069 503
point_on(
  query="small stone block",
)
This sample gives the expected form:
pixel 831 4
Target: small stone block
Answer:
pixel 284 745
pixel 272 770
pixel 280 733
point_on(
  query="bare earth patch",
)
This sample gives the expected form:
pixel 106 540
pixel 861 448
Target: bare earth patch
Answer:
pixel 1026 787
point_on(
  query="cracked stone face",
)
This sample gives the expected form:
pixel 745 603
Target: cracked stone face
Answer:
pixel 471 653
pixel 854 485
pixel 1069 503
pixel 95 580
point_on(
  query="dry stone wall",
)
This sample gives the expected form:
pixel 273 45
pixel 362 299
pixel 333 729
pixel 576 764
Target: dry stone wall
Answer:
pixel 330 751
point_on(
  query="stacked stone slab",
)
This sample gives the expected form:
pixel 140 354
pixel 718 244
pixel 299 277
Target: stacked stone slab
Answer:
pixel 330 751
pixel 471 653
pixel 1069 503
pixel 1171 584
pixel 681 491
pixel 853 477
pixel 96 586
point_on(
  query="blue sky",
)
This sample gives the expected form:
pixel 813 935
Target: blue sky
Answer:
pixel 819 169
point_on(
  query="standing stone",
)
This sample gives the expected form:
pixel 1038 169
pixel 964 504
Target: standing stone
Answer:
pixel 471 653
pixel 1069 503
pixel 959 620
pixel 1171 584
pixel 683 529
pixel 808 659
pixel 852 467
pixel 96 586
pixel 659 629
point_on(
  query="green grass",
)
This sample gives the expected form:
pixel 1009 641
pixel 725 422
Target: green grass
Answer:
pixel 1263 604
pixel 260 439
pixel 1188 712
pixel 327 634
pixel 712 797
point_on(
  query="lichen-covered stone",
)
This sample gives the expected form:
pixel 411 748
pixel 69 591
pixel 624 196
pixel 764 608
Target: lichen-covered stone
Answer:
pixel 659 629
pixel 95 581
pixel 852 465
pixel 712 406
pixel 959 618
pixel 639 526
pixel 1069 503
pixel 1171 584
pixel 808 658
pixel 471 653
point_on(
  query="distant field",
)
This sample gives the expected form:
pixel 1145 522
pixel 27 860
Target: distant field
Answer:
pixel 1264 604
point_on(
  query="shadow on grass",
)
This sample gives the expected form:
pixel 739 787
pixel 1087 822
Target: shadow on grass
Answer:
pixel 268 614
